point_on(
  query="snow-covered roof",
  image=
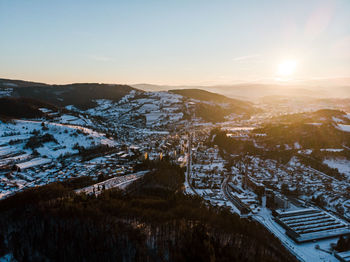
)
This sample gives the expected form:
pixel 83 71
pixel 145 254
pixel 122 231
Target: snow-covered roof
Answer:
pixel 34 162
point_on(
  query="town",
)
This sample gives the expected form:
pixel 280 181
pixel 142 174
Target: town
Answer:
pixel 305 206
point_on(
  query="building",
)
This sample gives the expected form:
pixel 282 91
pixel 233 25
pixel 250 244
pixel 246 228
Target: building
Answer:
pixel 343 256
pixel 275 200
pixel 308 224
pixel 31 163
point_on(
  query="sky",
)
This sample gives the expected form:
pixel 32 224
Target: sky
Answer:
pixel 182 42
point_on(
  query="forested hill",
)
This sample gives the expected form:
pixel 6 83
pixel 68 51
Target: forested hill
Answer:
pixel 153 221
pixel 204 95
pixel 213 107
pixel 81 95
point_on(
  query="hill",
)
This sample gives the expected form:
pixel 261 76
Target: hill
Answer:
pixel 214 107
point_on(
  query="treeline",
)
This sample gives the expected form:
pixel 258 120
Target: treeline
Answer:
pixel 88 153
pixel 232 145
pixel 153 221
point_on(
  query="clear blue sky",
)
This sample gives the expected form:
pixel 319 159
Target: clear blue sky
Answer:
pixel 172 42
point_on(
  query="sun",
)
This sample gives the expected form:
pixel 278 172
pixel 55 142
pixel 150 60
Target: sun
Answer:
pixel 286 68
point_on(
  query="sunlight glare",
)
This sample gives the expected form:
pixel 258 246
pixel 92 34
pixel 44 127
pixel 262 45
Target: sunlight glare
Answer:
pixel 286 68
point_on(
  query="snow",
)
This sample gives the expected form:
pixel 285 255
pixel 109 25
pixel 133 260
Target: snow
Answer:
pixel 10 84
pixel 305 151
pixel 15 159
pixel 71 108
pixel 343 165
pixel 153 117
pixel 297 145
pixel 332 149
pixel 241 128
pixel 6 150
pixel 67 136
pixel 69 119
pixel 7 258
pixel 337 120
pixel 7 139
pixel 146 131
pixel 315 124
pixel 344 128
pixel 45 110
pixel 344 255
pixel 148 107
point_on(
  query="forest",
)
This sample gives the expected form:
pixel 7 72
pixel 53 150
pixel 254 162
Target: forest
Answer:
pixel 21 108
pixel 153 220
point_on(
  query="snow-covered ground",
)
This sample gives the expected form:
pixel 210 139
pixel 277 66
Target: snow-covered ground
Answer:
pixel 24 164
pixel 67 136
pixel 7 91
pixel 157 108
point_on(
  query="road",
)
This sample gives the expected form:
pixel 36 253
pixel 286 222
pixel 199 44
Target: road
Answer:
pixel 243 209
pixel 188 184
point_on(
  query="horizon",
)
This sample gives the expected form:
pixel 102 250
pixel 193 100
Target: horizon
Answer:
pixel 311 83
pixel 176 44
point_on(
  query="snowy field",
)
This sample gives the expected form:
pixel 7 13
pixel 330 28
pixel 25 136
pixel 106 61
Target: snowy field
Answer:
pixel 343 165
pixel 67 136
